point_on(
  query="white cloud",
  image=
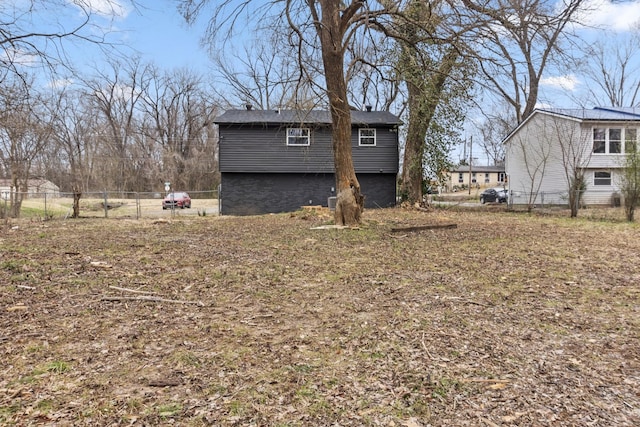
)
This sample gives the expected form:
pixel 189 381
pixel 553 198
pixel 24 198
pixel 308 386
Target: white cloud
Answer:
pixel 106 8
pixel 617 16
pixel 568 82
pixel 60 83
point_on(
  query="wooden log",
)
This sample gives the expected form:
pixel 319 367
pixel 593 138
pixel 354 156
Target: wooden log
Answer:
pixel 424 227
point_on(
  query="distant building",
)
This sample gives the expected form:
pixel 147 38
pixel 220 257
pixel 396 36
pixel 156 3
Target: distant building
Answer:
pixel 480 177
pixel 35 188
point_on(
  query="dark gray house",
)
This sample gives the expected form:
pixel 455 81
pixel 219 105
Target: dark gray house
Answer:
pixel 277 161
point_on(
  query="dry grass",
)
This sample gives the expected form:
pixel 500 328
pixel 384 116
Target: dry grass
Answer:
pixel 508 319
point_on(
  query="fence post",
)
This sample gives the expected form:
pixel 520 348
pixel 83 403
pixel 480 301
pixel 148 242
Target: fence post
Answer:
pixel 138 209
pixel 45 205
pixel 106 207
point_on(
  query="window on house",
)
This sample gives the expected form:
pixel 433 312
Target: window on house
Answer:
pixel 630 140
pixel 486 178
pixel 298 136
pixel 460 178
pixel 615 141
pixel 599 140
pixel 610 140
pixel 473 178
pixel 501 177
pixel 602 178
pixel 367 136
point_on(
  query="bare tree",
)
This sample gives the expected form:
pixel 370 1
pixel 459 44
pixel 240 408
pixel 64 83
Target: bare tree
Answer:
pixel 517 42
pixel 263 76
pixel 493 130
pixel 575 153
pixel 116 94
pixel 530 153
pixel 179 116
pixel 24 130
pixel 37 33
pixel 426 65
pixel 613 72
pixel 629 180
pixel 73 131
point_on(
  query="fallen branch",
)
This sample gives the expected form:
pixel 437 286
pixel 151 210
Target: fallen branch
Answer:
pixel 424 227
pixel 130 290
pixel 149 298
pixel 485 380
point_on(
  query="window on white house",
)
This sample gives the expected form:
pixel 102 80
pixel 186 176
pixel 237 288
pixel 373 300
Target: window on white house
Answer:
pixel 460 178
pixel 501 177
pixel 367 136
pixel 630 140
pixel 486 178
pixel 298 136
pixel 473 178
pixel 602 178
pixel 599 140
pixel 615 141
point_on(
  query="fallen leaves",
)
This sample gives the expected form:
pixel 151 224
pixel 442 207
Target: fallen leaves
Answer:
pixel 504 320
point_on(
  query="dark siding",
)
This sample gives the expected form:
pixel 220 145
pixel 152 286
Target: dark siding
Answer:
pixel 381 158
pixel 259 149
pixel 259 193
pixel 263 149
pixel 379 189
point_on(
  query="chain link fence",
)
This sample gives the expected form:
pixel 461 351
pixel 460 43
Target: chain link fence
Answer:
pixel 107 204
pixel 551 199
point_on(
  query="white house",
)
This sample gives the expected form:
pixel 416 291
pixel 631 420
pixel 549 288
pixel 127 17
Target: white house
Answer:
pixel 476 177
pixel 544 149
pixel 37 188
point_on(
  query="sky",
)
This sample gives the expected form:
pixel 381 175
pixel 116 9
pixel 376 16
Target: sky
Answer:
pixel 154 29
pixel 159 34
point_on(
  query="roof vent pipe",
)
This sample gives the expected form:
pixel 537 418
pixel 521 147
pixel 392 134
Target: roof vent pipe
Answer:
pixel 368 107
pixel 249 106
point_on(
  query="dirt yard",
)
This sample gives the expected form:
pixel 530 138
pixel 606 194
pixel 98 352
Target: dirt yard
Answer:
pixel 505 320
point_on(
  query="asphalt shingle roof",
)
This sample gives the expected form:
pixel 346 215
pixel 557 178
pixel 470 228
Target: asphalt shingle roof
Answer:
pixel 306 117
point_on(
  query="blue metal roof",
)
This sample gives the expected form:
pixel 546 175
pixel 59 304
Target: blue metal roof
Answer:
pixel 598 113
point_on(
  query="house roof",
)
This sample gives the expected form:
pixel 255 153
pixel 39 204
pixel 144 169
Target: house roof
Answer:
pixel 596 114
pixel 264 117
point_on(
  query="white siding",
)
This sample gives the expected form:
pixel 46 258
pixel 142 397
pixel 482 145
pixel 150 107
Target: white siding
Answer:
pixel 535 161
pixel 544 147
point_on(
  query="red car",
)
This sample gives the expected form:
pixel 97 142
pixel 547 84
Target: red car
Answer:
pixel 176 200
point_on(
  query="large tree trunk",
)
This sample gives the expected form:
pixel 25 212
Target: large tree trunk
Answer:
pixel 350 202
pixel 412 174
pixel 77 194
pixel 425 87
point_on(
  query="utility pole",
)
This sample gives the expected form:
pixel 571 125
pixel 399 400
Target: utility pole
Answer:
pixel 470 160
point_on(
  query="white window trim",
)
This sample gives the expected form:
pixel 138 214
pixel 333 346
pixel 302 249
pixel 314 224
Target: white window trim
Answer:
pixel 602 185
pixel 623 139
pixel 367 137
pixel 294 138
